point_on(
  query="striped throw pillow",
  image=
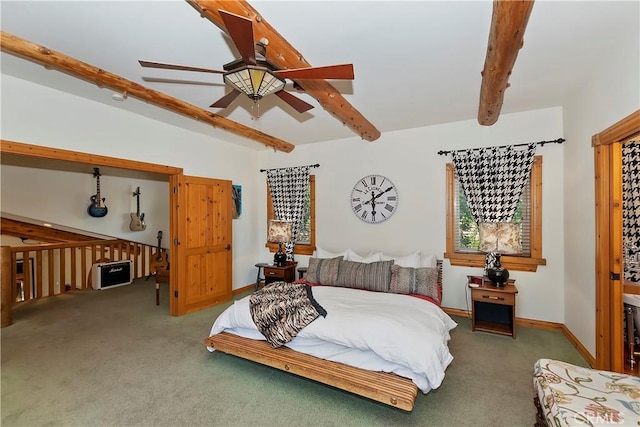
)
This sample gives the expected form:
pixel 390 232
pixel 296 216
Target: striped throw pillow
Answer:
pixel 372 276
pixel 323 271
pixel 421 281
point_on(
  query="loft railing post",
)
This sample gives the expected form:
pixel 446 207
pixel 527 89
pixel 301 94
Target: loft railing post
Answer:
pixel 6 286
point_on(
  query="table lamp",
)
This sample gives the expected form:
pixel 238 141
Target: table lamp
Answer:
pixel 280 232
pixel 497 238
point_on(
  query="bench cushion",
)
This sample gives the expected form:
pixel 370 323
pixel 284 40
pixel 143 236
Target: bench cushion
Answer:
pixel 572 395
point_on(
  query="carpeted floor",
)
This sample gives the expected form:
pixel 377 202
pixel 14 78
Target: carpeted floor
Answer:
pixel 114 358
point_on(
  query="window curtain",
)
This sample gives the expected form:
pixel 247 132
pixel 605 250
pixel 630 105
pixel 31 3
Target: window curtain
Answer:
pixel 631 210
pixel 289 188
pixel 493 179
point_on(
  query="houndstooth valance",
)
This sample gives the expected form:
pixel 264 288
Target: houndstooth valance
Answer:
pixel 631 210
pixel 493 179
pixel 288 188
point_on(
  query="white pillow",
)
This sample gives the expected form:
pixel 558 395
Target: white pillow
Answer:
pixel 370 257
pixel 411 260
pixel 428 261
pixel 322 253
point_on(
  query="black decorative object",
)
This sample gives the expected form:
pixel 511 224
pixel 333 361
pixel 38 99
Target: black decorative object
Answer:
pixel 497 273
pixel 280 258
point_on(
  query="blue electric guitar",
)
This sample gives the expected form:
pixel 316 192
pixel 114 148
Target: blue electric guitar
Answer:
pixel 97 208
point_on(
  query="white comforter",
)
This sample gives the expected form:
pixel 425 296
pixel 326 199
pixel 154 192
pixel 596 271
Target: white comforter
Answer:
pixel 370 330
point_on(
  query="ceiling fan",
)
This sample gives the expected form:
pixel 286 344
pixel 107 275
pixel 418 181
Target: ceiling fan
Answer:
pixel 252 74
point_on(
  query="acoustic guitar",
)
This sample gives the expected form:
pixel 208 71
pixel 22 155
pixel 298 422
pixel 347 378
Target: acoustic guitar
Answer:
pixel 160 260
pixel 137 219
pixel 97 208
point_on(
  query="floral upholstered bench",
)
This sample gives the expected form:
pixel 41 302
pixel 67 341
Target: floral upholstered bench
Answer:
pixel 569 395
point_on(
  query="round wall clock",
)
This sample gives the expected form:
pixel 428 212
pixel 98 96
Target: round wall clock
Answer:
pixel 374 199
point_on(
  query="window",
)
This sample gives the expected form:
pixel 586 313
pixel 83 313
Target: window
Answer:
pixel 306 243
pixel 462 230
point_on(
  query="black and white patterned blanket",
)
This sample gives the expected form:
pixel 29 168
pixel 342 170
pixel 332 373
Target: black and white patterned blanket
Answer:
pixel 280 310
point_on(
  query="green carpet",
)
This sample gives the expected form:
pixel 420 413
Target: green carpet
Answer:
pixel 114 358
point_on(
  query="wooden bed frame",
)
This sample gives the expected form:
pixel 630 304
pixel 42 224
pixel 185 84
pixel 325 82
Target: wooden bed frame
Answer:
pixel 384 387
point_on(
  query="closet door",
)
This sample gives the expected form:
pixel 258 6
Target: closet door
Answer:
pixel 608 146
pixel 631 247
pixel 204 243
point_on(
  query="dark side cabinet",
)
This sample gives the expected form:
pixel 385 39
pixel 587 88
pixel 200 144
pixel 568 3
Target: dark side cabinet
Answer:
pixel 274 273
pixel 493 309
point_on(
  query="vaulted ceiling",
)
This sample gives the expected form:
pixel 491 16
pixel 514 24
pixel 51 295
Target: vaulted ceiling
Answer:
pixel 417 63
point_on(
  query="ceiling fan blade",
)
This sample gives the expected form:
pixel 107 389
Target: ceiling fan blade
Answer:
pixel 178 81
pixel 226 100
pixel 241 31
pixel 329 72
pixel 297 103
pixel 167 66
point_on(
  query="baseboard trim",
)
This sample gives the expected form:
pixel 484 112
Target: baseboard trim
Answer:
pixel 244 289
pixel 578 345
pixel 539 324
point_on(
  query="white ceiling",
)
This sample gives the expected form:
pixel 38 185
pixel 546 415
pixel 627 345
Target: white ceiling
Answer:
pixel 417 63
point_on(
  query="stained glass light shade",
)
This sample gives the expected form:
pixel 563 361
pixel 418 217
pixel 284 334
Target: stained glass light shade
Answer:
pixel 254 81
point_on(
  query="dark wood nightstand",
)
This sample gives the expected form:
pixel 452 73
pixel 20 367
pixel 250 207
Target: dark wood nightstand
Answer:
pixel 493 309
pixel 274 273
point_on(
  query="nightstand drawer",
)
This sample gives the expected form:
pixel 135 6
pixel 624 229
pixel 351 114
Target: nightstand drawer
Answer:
pixel 493 297
pixel 274 273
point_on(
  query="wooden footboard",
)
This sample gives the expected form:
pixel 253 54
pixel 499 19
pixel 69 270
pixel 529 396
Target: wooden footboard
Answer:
pixel 387 388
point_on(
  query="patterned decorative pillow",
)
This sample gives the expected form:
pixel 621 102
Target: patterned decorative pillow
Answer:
pixel 373 276
pixel 503 237
pixel 421 281
pixel 323 271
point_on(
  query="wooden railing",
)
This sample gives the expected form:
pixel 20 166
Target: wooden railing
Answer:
pixel 58 268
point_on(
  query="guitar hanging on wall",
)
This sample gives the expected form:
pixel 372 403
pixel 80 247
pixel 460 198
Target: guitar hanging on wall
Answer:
pixel 97 208
pixel 160 261
pixel 137 219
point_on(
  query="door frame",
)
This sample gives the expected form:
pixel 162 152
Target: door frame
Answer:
pixel 608 233
pixel 173 173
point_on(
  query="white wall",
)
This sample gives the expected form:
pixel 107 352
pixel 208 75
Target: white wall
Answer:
pixel 62 198
pixel 39 115
pixel 612 94
pixel 409 158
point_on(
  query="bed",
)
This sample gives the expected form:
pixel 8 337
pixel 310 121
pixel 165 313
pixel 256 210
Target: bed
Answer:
pixel 405 350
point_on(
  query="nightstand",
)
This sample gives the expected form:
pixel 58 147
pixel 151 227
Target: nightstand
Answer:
pixel 274 273
pixel 493 308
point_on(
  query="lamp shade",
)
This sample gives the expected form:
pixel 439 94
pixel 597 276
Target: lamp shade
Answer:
pixel 280 231
pixel 254 81
pixel 501 237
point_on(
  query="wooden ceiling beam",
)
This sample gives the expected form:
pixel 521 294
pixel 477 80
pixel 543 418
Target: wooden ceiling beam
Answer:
pixel 506 38
pixel 55 60
pixel 284 56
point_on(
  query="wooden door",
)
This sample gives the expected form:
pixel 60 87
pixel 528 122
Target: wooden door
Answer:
pixel 203 245
pixel 609 251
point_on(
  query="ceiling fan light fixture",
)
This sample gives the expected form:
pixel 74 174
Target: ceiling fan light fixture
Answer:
pixel 254 81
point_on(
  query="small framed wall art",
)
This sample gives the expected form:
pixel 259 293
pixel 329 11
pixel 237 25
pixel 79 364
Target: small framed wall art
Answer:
pixel 237 200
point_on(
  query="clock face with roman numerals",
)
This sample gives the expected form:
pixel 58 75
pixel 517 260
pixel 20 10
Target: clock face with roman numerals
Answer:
pixel 374 199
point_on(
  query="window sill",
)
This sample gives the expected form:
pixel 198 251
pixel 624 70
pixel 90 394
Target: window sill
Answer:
pixel 298 250
pixel 511 263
